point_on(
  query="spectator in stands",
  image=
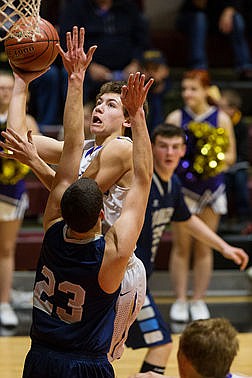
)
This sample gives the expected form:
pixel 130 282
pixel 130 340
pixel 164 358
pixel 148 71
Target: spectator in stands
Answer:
pixel 200 172
pixel 13 203
pixel 153 64
pixel 118 28
pixel 236 177
pixel 198 16
pixel 207 348
pixel 46 103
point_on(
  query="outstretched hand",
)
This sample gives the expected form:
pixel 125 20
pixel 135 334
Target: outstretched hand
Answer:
pixel 134 94
pixel 18 147
pixel 74 59
pixel 238 255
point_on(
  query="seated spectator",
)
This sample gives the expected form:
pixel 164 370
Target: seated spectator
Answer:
pixel 153 64
pixel 119 30
pixel 197 17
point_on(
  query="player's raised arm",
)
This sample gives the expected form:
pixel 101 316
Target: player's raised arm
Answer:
pixel 126 229
pixel 76 63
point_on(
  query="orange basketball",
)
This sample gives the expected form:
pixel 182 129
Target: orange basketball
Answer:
pixel 28 54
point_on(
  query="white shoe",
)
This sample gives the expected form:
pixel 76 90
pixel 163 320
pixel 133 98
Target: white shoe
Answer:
pixel 8 318
pixel 21 299
pixel 199 310
pixel 179 311
pixel 249 272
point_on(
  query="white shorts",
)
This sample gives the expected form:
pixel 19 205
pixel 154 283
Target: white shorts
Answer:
pixel 13 211
pixel 217 201
pixel 129 303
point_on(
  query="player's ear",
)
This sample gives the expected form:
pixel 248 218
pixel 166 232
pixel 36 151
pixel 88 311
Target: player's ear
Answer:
pixel 183 150
pixel 102 216
pixel 126 123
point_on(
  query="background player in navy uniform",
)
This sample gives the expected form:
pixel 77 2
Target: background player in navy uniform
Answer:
pixel 200 347
pixel 166 204
pixel 76 307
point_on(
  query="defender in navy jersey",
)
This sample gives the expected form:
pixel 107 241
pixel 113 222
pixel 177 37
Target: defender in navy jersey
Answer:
pixel 166 204
pixel 74 295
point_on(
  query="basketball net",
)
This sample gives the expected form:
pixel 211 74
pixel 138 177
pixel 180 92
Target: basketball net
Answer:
pixel 13 10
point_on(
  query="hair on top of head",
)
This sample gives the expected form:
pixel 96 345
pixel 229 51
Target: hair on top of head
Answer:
pixel 202 75
pixel 168 130
pixel 116 87
pixel 210 346
pixel 81 204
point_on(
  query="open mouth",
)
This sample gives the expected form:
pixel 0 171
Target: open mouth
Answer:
pixel 96 120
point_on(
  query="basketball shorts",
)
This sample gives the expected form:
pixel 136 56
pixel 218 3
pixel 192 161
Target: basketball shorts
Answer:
pixel 216 200
pixel 42 362
pixel 149 329
pixel 129 303
pixel 13 211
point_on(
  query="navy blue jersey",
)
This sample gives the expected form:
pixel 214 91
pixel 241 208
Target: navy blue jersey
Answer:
pixel 187 175
pixel 165 204
pixel 71 312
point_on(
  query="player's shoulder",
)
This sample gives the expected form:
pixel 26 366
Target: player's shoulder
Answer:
pixel 118 147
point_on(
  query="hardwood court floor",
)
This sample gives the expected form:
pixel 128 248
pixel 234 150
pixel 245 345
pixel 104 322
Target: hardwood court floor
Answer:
pixel 14 349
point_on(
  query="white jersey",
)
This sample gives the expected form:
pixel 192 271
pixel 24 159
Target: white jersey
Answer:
pixel 113 199
pixel 133 286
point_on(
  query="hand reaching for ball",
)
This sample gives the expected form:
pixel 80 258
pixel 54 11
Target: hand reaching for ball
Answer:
pixel 74 59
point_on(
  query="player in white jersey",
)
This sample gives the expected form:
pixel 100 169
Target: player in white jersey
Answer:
pixel 133 287
pixel 111 167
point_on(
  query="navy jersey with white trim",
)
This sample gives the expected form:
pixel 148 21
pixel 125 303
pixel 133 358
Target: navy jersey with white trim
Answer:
pixel 165 204
pixel 71 312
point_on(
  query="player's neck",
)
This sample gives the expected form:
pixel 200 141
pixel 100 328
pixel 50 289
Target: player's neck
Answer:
pixel 3 109
pixel 164 175
pixel 91 234
pixel 101 140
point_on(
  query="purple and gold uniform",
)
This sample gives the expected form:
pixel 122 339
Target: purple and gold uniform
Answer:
pixel 200 192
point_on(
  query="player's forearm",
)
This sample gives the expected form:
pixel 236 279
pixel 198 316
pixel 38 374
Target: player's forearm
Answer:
pixel 142 153
pixel 199 230
pixel 43 171
pixel 17 108
pixel 73 120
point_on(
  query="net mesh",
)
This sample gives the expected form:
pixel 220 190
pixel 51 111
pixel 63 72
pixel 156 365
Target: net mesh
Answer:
pixel 11 11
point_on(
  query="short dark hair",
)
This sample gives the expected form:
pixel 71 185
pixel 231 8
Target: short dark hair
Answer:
pixel 116 87
pixel 81 204
pixel 168 130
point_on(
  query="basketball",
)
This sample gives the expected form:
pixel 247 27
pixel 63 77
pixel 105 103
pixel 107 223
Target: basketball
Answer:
pixel 28 54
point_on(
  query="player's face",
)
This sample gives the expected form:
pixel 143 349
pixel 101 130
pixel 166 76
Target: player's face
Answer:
pixel 193 93
pixel 6 87
pixel 107 116
pixel 167 152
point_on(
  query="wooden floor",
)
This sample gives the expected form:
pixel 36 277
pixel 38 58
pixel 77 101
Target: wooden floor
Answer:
pixel 14 349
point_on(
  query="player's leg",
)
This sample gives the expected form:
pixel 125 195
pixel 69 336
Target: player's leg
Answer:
pixel 129 303
pixel 151 331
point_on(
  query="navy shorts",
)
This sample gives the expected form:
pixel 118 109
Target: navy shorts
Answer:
pixel 149 329
pixel 43 362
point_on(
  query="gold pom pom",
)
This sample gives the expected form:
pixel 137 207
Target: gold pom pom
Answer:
pixel 211 145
